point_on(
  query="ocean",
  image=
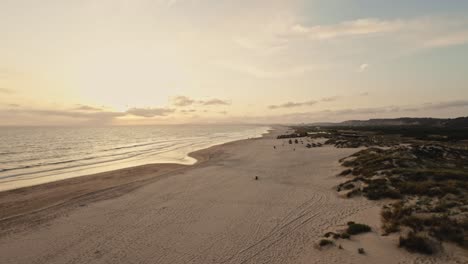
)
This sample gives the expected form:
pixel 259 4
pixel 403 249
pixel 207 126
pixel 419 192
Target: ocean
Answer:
pixel 35 155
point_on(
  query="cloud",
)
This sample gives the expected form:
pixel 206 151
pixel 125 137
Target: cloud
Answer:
pixel 182 101
pixel 215 102
pixel 364 94
pixel 88 112
pixel 307 103
pixel 414 34
pixel 445 105
pixel 292 104
pixel 365 26
pixel 189 111
pixel 150 112
pixel 451 39
pixel 82 114
pixel 437 106
pixel 363 67
pixel 87 108
pixel 46 116
pixel 400 109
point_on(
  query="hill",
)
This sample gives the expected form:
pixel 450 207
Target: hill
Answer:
pixel 461 122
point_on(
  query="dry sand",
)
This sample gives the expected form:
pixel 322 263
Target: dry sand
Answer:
pixel 212 212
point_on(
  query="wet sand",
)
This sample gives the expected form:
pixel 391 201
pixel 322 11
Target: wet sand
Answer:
pixel 211 212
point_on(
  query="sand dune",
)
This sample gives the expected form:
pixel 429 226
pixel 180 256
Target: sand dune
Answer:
pixel 213 212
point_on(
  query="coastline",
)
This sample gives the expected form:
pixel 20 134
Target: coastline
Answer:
pixel 212 212
pixel 49 200
pixel 172 151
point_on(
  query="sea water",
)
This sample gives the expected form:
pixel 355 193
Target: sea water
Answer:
pixel 35 155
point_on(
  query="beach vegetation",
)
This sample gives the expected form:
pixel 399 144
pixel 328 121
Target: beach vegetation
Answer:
pixel 422 170
pixel 416 243
pixel 355 229
pixel 325 242
pixel 345 236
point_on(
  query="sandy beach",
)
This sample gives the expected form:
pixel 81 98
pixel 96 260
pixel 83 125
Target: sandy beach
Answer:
pixel 212 212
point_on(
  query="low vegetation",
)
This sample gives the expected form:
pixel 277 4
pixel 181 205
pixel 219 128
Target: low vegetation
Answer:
pixel 417 243
pixel 352 229
pixel 355 229
pixel 422 170
pixel 431 182
pixel 325 242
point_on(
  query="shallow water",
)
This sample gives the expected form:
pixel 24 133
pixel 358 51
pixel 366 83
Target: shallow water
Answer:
pixel 34 155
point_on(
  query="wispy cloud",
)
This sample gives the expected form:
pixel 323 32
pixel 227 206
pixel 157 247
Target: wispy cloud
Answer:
pixel 150 112
pixel 451 39
pixel 182 101
pixel 445 105
pixel 398 110
pixel 215 102
pixel 426 32
pixel 293 104
pixel 364 26
pixel 102 117
pixel 87 108
pixel 188 111
pixel 363 67
pixel 401 109
pixel 83 114
pixel 306 103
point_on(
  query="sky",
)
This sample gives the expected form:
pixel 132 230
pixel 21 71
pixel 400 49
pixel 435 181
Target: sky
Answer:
pixel 142 62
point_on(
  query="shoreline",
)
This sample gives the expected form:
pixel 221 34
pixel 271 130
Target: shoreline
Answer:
pixel 12 182
pixel 42 199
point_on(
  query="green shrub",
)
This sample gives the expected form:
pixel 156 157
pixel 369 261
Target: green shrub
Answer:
pixel 346 172
pixel 345 236
pixel 416 243
pixel 392 216
pixel 349 186
pixel 414 222
pixel 445 229
pixel 379 189
pixel 325 242
pixel 355 229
